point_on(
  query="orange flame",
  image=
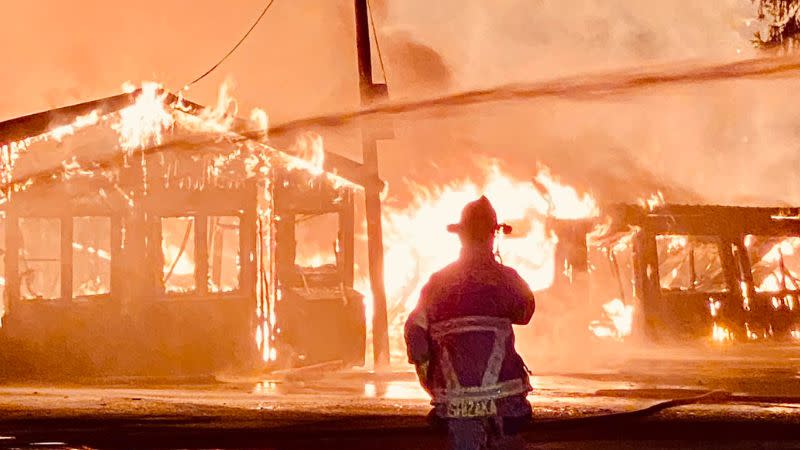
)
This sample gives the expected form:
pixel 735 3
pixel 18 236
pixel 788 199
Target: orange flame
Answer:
pixel 720 333
pixel 142 124
pixel 417 242
pixel 621 317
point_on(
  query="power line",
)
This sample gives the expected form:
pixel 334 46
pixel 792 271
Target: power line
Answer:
pixel 377 43
pixel 266 8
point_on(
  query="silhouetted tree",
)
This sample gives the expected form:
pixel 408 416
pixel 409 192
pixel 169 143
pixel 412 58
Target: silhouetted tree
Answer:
pixel 782 22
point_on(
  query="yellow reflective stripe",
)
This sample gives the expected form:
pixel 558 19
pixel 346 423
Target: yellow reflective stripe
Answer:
pixel 494 392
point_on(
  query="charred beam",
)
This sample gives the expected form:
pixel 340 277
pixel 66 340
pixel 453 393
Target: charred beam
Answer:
pixel 40 123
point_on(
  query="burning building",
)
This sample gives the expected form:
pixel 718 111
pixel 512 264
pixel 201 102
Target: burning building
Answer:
pixel 143 233
pixel 683 273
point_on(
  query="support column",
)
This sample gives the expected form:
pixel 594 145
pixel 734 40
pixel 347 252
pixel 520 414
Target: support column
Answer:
pixel 369 93
pixel 372 199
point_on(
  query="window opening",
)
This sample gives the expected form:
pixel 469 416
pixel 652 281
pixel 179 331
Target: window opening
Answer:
pixel 690 263
pixel 223 253
pixel 178 249
pixel 775 262
pixel 40 258
pixel 91 256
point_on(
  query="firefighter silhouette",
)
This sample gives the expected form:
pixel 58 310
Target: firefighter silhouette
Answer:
pixel 460 339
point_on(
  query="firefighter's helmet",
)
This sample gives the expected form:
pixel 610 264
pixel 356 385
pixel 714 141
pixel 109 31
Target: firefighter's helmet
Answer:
pixel 478 221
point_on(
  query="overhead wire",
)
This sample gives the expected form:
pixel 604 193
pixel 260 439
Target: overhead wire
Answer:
pixel 230 52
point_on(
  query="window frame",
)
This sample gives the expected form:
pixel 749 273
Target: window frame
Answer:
pixel 706 238
pixel 201 254
pixel 66 230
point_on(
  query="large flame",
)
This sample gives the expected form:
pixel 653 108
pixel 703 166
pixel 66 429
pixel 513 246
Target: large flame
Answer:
pixel 143 124
pixel 417 243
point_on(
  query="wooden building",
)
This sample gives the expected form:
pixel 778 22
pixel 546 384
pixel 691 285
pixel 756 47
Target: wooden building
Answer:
pixel 173 258
pixel 689 271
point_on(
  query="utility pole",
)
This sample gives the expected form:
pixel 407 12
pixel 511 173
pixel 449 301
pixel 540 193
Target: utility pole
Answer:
pixel 371 92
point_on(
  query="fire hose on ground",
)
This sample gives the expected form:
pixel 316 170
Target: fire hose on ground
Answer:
pixel 716 396
pixel 711 397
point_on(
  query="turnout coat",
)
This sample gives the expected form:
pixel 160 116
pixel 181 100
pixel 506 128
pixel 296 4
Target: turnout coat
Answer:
pixel 461 341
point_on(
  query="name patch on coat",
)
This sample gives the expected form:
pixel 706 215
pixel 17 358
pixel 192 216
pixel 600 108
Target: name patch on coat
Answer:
pixel 471 408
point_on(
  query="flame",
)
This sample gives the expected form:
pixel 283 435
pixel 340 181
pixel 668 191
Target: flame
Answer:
pixel 259 117
pixel 142 124
pixel 720 333
pixel 564 201
pixel 317 260
pixel 11 152
pixel 59 133
pixel 417 243
pixel 217 119
pixel 783 248
pixel 751 335
pixel 714 305
pixel 310 154
pixel 782 278
pixel 674 242
pixel 99 252
pixel 621 318
pixel 94 286
pixel 184 266
pixel 653 201
pixel 745 295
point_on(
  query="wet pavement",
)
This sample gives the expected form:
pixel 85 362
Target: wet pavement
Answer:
pixel 360 409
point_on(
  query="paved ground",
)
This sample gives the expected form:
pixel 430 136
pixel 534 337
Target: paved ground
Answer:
pixel 362 410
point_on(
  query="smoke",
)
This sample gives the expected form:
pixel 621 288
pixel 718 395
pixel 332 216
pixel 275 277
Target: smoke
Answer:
pixel 723 142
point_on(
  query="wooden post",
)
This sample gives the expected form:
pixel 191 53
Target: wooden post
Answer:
pixel 201 253
pixel 347 238
pixel 12 261
pixel 368 90
pixel 645 254
pixel 66 257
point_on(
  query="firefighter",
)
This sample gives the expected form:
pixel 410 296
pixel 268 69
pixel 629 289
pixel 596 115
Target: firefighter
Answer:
pixel 460 339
